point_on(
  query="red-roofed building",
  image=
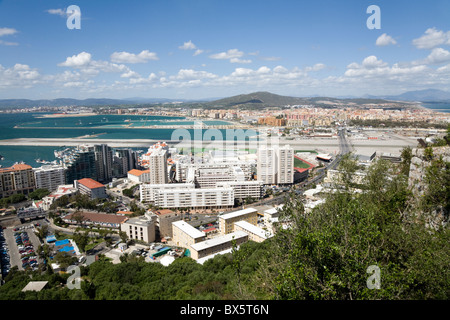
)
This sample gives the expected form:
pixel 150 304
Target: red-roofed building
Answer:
pixel 91 187
pixel 98 219
pixel 139 176
pixel 16 179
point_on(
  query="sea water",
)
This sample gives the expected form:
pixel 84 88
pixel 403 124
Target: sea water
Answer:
pixel 32 125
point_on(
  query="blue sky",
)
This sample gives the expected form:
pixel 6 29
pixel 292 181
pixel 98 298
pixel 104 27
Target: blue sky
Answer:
pixel 209 48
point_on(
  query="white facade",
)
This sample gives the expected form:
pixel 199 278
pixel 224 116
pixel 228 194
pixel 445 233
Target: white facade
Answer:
pixel 255 233
pixel 49 177
pixel 244 189
pixel 194 198
pixel 184 235
pixel 139 176
pixel 276 165
pixel 218 244
pixel 158 166
pixel 147 191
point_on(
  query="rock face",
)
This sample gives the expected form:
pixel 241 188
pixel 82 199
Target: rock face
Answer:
pixel 417 185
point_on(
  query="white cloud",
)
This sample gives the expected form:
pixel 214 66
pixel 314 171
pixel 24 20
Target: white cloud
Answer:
pixel 233 55
pixel 237 60
pixel 126 57
pixel 188 46
pixel 58 12
pixel 130 74
pixel 316 67
pixel 90 68
pixel 7 43
pixel 77 61
pixel 230 54
pixel 373 67
pixel 437 56
pixel 7 31
pixel 432 38
pixel 20 75
pixel 385 40
pixel 190 74
pixel 197 52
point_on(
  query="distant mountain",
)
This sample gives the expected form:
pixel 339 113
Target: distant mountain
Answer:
pixel 256 100
pixel 260 100
pixel 419 95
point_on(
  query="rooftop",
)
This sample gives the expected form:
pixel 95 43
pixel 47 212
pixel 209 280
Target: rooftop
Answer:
pixel 237 213
pixel 218 241
pixel 138 173
pixel 90 183
pixel 16 167
pixel 35 286
pixel 163 212
pixel 188 229
pixel 253 229
pixel 99 217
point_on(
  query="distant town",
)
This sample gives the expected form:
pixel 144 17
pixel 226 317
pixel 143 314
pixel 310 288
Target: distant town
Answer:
pixel 172 201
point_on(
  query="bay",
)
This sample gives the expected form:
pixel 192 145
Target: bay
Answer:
pixel 29 125
pixel 438 106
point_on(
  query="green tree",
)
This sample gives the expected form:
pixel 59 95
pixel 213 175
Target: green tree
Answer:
pixel 38 194
pixel 325 254
pixel 406 156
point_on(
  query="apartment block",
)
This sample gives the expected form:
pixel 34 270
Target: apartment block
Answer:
pixel 91 188
pixel 194 198
pixel 185 235
pixel 164 219
pixel 212 246
pixel 158 166
pixel 255 233
pixel 49 177
pixel 16 179
pixel 147 191
pixel 227 221
pixel 276 165
pixel 244 189
pixel 139 176
pixel 140 228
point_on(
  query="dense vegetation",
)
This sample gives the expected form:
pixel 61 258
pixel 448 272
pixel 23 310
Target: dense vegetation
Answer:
pixel 324 254
pixel 376 123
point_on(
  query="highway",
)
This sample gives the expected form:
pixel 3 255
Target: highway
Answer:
pixel 344 148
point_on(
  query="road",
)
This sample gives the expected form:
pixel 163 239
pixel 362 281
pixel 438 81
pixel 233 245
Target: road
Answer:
pixel 344 148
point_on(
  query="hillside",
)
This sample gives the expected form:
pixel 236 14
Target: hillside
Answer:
pixel 255 100
pixel 419 95
pixel 260 100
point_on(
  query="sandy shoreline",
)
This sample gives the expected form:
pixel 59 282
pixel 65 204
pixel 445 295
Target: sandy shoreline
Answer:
pixel 66 115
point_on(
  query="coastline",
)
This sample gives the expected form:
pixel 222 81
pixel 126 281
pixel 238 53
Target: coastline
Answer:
pixel 65 115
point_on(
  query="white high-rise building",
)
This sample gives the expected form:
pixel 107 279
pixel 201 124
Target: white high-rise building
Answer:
pixel 276 165
pixel 158 166
pixel 267 165
pixel 285 165
pixel 49 177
